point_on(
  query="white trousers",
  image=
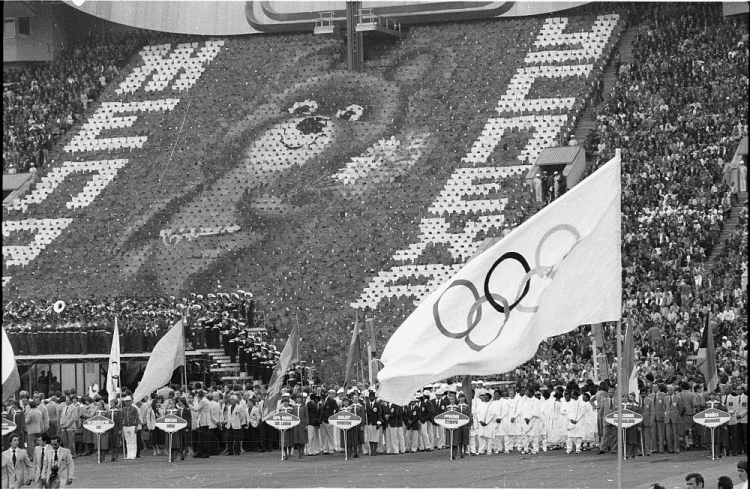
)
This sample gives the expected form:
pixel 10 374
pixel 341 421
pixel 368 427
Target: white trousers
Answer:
pixel 425 436
pixel 326 438
pixel 313 440
pixel 573 441
pixel 128 436
pixel 412 440
pixel 394 440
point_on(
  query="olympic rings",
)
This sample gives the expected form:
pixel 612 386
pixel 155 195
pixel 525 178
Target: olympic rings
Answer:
pixel 498 302
pixel 520 259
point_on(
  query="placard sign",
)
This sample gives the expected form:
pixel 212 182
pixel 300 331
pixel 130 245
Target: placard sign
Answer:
pixel 711 418
pixel 452 419
pixel 8 426
pixel 344 420
pixel 283 421
pixel 629 418
pixel 98 424
pixel 170 423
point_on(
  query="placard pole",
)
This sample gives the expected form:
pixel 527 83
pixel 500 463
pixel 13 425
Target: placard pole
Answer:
pixel 98 448
pixel 170 447
pixel 346 450
pixel 451 444
pixel 281 434
pixel 713 447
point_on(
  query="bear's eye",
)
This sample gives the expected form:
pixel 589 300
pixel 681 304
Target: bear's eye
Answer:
pixel 306 107
pixel 351 113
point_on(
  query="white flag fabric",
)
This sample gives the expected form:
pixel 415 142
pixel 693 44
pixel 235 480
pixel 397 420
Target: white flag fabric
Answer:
pixel 555 272
pixel 168 354
pixel 11 379
pixel 113 370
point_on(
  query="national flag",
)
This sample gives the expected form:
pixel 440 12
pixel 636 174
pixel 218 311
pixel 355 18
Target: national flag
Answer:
pixel 11 379
pixel 629 370
pixel 706 360
pixel 355 353
pixel 289 355
pixel 168 354
pixel 555 272
pixel 113 369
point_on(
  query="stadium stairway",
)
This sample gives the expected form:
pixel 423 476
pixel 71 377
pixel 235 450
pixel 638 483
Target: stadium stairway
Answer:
pixel 730 226
pixel 587 122
pixel 221 363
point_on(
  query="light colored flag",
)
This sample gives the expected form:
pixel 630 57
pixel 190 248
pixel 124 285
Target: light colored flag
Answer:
pixel 113 369
pixel 706 359
pixel 355 353
pixel 11 379
pixel 629 373
pixel 555 272
pixel 289 355
pixel 168 354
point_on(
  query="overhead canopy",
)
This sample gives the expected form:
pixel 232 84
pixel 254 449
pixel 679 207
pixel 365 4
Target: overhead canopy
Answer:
pixel 223 18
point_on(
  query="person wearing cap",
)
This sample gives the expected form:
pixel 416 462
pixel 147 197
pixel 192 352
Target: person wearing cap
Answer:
pixel 411 421
pixel 131 422
pixel 426 413
pixel 441 402
pixel 486 424
pixel 373 423
pixel 328 408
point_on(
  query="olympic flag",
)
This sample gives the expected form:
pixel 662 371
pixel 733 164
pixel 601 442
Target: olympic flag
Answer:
pixel 555 272
pixel 113 370
pixel 11 379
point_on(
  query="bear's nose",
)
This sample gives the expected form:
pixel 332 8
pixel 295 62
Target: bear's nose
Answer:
pixel 311 125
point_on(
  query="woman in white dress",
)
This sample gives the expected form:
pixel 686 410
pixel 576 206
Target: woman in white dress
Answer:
pixel 559 423
pixel 590 434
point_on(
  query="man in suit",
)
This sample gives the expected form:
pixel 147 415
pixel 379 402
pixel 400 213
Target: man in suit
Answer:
pixel 686 428
pixel 58 466
pixel 609 436
pixel 327 409
pixel 235 420
pixel 658 393
pixel 673 419
pixel 17 469
pixel 649 418
pixel 69 419
pixel 34 425
pixel 42 450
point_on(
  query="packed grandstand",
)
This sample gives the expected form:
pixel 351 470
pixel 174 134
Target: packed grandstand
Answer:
pixel 183 175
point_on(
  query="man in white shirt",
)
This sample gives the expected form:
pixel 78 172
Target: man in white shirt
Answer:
pixel 498 410
pixel 514 428
pixel 485 428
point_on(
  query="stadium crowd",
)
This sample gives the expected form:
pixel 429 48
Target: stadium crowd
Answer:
pixel 43 101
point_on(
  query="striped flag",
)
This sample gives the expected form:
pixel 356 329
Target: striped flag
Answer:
pixel 629 376
pixel 11 379
pixel 113 369
pixel 289 355
pixel 706 360
pixel 168 354
pixel 355 353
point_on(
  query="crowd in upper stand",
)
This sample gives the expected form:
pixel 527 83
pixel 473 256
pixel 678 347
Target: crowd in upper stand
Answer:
pixel 42 102
pixel 675 144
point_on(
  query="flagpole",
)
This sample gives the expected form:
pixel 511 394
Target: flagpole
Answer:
pixel 184 383
pixel 619 403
